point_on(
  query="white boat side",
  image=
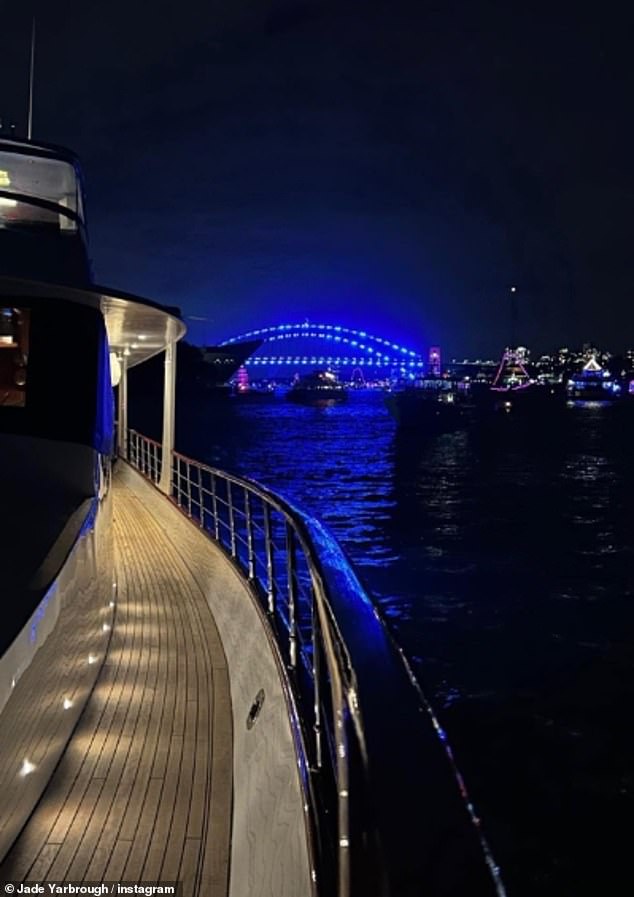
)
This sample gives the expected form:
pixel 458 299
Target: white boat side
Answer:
pixel 194 685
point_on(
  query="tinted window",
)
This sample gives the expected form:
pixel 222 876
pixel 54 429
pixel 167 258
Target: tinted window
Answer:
pixel 57 350
pixel 14 355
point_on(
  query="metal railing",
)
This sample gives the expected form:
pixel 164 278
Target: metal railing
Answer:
pixel 270 542
pixel 145 454
pixel 321 617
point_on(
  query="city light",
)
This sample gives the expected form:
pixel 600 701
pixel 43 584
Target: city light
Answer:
pixel 336 361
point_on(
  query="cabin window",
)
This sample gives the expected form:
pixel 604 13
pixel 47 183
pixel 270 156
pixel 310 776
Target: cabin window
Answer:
pixel 14 355
pixel 53 181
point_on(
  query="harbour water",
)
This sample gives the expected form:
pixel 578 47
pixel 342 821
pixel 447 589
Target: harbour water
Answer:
pixel 502 555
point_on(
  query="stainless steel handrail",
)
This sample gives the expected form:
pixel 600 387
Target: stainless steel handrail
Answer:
pixel 321 618
pixel 195 492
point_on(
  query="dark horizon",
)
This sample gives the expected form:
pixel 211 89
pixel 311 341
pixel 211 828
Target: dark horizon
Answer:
pixel 384 166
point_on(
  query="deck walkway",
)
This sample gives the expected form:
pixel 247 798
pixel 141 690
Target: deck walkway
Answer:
pixel 143 791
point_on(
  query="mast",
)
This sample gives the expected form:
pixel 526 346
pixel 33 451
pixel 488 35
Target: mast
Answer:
pixel 31 78
pixel 513 317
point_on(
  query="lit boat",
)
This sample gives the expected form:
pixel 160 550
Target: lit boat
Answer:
pixel 593 383
pixel 318 387
pixel 513 388
pixel 194 685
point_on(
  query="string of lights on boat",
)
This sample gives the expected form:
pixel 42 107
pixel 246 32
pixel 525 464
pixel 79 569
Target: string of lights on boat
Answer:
pixel 373 346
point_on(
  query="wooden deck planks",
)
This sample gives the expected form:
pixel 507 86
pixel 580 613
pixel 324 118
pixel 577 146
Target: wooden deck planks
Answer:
pixel 133 796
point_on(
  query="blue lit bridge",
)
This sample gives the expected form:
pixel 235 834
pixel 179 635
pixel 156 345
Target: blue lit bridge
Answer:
pixel 328 344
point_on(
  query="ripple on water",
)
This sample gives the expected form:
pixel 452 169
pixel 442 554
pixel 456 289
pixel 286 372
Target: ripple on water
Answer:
pixel 502 556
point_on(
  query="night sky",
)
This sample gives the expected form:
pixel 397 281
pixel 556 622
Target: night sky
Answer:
pixel 390 165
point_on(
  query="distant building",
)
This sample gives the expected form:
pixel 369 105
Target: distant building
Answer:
pixel 434 361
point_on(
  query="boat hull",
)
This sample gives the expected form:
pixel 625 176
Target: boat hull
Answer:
pixel 413 411
pixel 316 396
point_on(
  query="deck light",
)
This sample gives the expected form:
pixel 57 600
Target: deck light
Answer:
pixel 27 767
pixel 67 704
pixel 115 369
pixel 106 627
pixel 92 658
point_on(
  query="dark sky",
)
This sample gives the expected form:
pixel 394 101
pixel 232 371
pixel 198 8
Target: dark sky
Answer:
pixel 387 164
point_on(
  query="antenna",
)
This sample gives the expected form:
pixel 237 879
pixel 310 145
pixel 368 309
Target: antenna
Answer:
pixel 513 317
pixel 31 75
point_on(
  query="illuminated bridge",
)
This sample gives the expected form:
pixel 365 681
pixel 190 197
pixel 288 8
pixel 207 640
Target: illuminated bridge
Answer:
pixel 328 344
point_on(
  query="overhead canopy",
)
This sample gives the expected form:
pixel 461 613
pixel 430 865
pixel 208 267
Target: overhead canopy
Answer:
pixel 137 328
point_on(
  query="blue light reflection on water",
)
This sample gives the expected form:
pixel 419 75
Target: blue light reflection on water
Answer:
pixel 502 555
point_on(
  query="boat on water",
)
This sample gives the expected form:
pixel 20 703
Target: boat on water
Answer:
pixel 194 685
pixel 318 387
pixel 513 388
pixel 429 403
pixel 593 383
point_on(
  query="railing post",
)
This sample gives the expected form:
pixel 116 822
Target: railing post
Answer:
pixel 249 522
pixel 291 570
pixel 178 480
pixel 232 520
pixel 201 498
pixel 214 508
pixel 189 489
pixel 270 569
pixel 316 642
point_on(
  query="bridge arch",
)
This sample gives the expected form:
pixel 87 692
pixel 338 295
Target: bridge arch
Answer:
pixel 361 348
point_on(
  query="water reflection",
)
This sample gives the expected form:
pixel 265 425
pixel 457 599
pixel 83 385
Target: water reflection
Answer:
pixel 502 554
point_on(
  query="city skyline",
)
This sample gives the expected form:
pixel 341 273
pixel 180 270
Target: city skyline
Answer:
pixel 389 161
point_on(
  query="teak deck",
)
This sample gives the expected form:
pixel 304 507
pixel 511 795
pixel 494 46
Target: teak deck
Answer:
pixel 143 791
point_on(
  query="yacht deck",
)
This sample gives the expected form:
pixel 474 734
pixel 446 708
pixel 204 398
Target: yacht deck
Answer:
pixel 144 789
